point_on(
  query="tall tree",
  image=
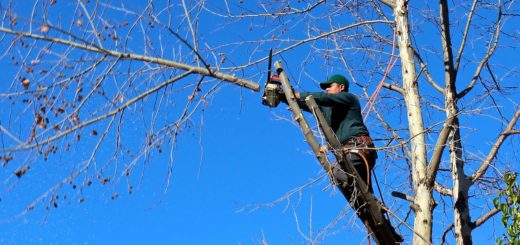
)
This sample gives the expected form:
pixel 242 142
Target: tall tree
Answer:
pixel 78 80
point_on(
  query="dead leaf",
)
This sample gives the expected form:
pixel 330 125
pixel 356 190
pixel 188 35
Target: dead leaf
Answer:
pixel 105 180
pixel 25 83
pixel 7 158
pixel 79 22
pixel 53 2
pixel 19 173
pixel 44 28
pixel 39 120
pixel 116 195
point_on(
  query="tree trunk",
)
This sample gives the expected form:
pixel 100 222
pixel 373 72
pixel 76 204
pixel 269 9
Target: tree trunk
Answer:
pixel 423 192
pixel 461 183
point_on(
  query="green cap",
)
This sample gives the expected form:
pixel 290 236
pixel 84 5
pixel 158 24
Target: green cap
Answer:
pixel 339 79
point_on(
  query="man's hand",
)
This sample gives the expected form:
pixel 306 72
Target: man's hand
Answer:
pixel 282 98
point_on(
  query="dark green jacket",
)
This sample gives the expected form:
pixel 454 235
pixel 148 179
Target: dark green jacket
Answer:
pixel 342 112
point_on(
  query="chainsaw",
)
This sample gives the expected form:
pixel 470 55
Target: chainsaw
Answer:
pixel 273 86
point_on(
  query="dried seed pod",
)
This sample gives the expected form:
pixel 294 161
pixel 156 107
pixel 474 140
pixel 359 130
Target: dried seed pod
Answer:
pixel 25 83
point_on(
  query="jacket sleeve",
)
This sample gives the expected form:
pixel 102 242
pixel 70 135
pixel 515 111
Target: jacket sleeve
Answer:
pixel 324 99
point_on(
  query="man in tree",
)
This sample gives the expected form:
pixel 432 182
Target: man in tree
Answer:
pixel 342 112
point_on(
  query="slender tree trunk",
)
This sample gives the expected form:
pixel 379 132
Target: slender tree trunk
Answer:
pixel 461 183
pixel 423 192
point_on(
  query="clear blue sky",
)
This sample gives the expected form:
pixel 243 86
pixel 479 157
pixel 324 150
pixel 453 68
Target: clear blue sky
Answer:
pixel 230 173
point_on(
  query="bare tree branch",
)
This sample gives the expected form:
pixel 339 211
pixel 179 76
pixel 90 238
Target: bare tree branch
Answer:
pixel 494 149
pixel 485 217
pixel 393 88
pixel 91 22
pixel 201 70
pixel 298 117
pixel 465 35
pixel 475 224
pixel 299 43
pixel 389 3
pixel 97 119
pixel 277 14
pixel 443 190
pixel 491 50
pixel 424 69
pixel 435 160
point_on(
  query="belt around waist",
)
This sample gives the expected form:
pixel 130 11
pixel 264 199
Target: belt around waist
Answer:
pixel 362 139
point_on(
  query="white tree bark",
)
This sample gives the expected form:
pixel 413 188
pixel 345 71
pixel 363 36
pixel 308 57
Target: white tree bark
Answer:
pixel 423 191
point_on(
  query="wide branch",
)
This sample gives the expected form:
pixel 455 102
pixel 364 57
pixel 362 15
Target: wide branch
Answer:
pixel 300 119
pixel 435 160
pixel 88 47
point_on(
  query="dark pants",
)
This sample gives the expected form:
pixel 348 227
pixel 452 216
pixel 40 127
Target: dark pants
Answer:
pixel 346 181
pixel 362 155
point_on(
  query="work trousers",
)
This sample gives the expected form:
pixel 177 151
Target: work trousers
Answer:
pixel 362 156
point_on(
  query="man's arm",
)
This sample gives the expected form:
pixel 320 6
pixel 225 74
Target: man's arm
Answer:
pixel 325 99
